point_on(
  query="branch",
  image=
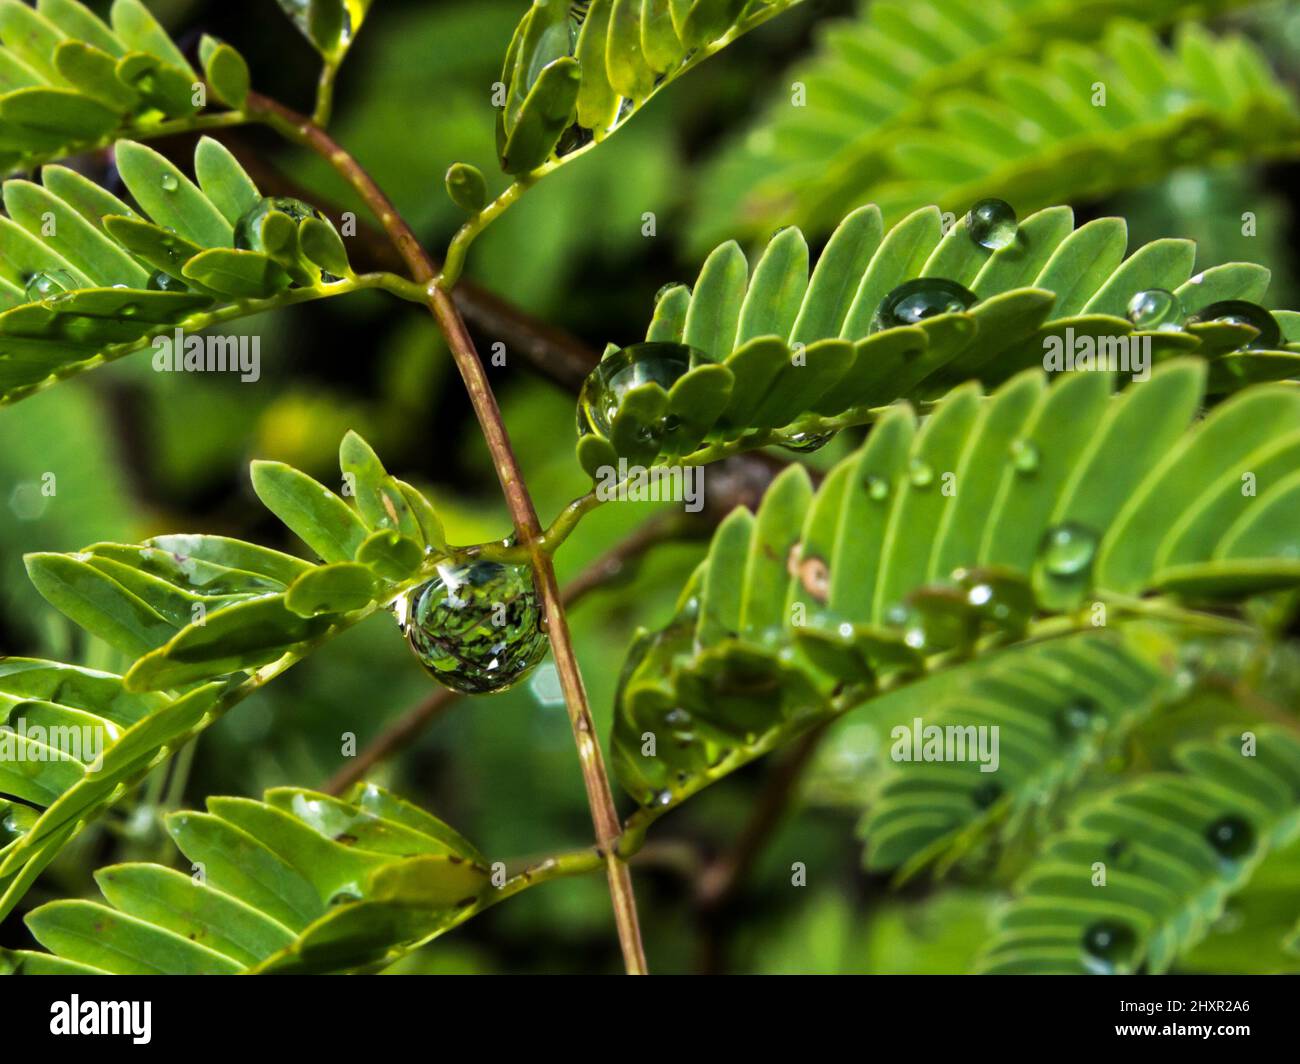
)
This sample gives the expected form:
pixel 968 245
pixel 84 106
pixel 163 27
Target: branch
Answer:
pixel 302 130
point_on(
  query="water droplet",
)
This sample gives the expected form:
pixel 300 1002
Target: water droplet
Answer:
pixel 248 230
pixel 1108 946
pixel 807 442
pixel 665 290
pixel 877 488
pixel 1155 308
pixel 161 281
pixel 663 798
pixel 476 627
pixel 1000 596
pixel 47 285
pixel 618 373
pixel 1079 715
pixel 992 224
pixel 129 310
pixel 1068 549
pixel 169 183
pixel 920 474
pixel 1024 456
pixel 1231 836
pixel 1240 312
pixel 914 301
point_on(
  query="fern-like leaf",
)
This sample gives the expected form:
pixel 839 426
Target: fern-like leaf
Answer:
pixel 948 102
pixel 299 882
pixel 991 521
pixel 207 620
pixel 70 82
pixel 86 279
pixel 1143 870
pixel 574 72
pixel 800 355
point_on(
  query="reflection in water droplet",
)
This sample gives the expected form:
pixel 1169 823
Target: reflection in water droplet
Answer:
pixel 1240 312
pixel 1232 836
pixel 807 442
pixel 877 488
pixel 618 373
pixel 992 224
pixel 1108 946
pixel 47 285
pixel 914 301
pixel 920 474
pixel 160 281
pixel 1155 308
pixel 169 183
pixel 476 627
pixel 1067 550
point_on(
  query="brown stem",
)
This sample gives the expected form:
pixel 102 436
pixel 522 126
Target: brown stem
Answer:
pixel 599 797
pixel 604 570
pixel 556 354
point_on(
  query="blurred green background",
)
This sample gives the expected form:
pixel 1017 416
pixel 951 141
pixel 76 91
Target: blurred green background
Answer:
pixel 138 453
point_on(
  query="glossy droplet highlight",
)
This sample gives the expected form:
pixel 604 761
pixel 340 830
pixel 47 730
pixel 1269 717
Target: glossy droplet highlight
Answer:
pixel 1067 550
pixel 160 281
pixel 920 473
pixel 248 230
pixel 877 488
pixel 46 285
pixel 477 626
pixel 807 442
pixel 1079 715
pixel 631 367
pixel 992 224
pixel 169 183
pixel 1231 836
pixel 1155 308
pixel 1024 456
pixel 1108 946
pixel 1240 312
pixel 914 301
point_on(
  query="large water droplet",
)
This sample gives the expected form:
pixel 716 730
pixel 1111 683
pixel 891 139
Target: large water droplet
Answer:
pixel 992 224
pixel 1240 312
pixel 618 373
pixel 1108 946
pixel 1067 550
pixel 807 442
pixel 476 627
pixel 248 230
pixel 914 301
pixel 877 488
pixel 169 183
pixel 1155 308
pixel 47 285
pixel 1232 836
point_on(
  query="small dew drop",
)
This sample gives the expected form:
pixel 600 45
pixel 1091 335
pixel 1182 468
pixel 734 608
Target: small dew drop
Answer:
pixel 1108 946
pixel 1067 550
pixel 169 183
pixel 992 224
pixel 920 474
pixel 1024 456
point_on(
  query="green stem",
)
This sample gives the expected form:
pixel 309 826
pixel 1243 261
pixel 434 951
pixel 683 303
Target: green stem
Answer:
pixel 325 93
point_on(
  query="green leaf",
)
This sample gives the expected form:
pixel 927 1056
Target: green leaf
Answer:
pixel 338 588
pixel 313 513
pixel 545 114
pixel 225 70
pixel 171 199
pixel 224 181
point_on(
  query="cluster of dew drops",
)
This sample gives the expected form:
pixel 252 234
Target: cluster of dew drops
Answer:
pixel 53 286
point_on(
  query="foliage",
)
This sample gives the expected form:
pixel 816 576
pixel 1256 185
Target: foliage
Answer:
pixel 1102 573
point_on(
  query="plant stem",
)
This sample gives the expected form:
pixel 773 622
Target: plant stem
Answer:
pixel 527 527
